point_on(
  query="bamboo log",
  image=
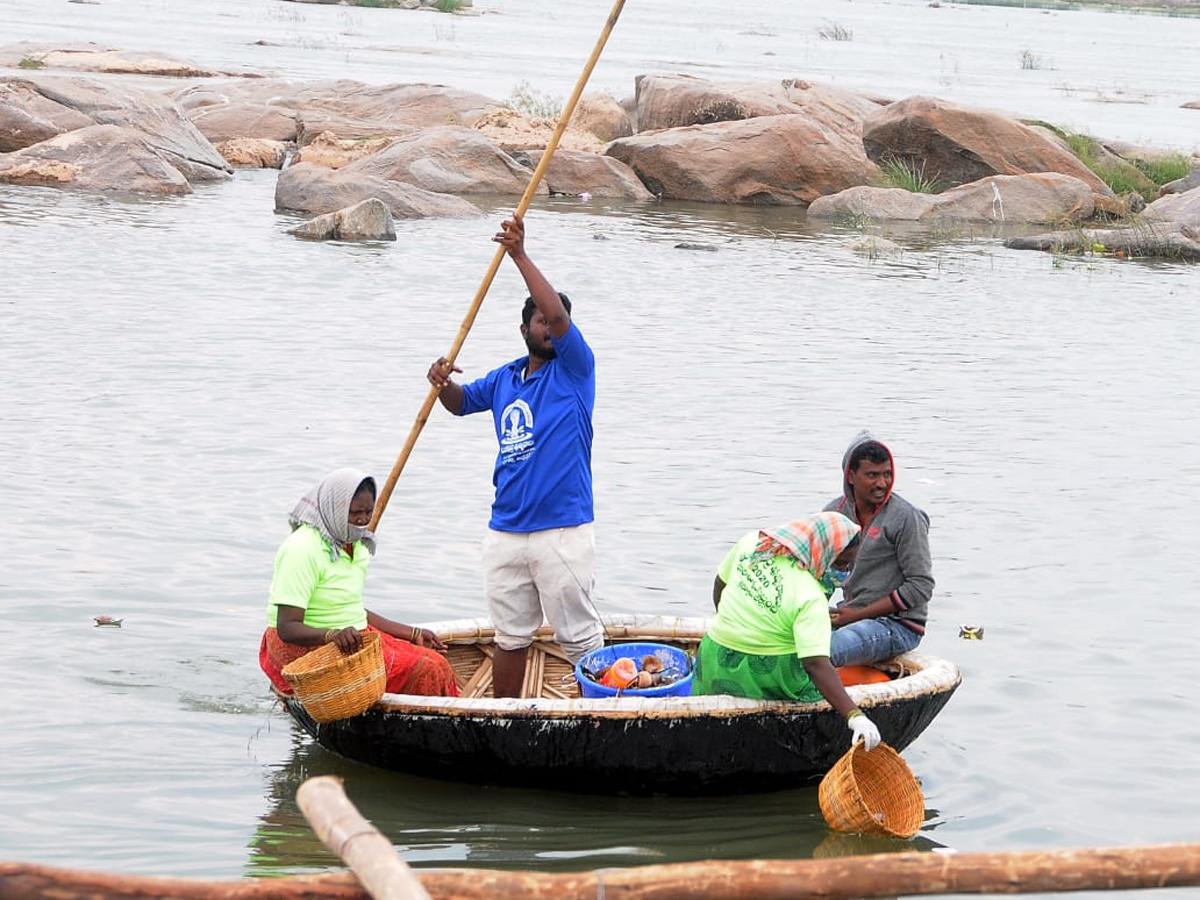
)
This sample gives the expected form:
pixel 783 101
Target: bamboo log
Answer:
pixel 358 843
pixel 878 875
pixel 469 319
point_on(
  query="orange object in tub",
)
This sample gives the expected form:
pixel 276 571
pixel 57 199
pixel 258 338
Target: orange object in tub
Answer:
pixel 621 673
pixel 852 675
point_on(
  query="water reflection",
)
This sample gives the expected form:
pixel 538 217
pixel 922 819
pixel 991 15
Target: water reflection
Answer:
pixel 439 824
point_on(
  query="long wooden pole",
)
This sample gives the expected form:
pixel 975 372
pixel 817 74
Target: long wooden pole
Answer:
pixel 358 843
pixel 469 319
pixel 879 875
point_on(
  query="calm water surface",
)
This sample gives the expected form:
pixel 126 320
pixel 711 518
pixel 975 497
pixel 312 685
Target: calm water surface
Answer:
pixel 176 372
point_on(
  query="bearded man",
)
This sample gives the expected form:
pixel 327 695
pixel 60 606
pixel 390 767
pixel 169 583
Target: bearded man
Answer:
pixel 540 550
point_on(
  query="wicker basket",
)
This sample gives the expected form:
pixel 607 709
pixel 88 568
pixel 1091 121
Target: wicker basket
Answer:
pixel 872 793
pixel 333 686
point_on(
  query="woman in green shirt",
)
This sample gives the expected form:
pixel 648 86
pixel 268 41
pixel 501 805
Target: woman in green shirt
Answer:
pixel 317 592
pixel 770 637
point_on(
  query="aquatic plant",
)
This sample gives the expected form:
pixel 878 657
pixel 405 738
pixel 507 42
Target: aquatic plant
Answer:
pixel 835 31
pixel 1030 60
pixel 909 175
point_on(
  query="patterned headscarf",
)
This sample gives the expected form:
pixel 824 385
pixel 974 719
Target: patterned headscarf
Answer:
pixel 326 507
pixel 814 542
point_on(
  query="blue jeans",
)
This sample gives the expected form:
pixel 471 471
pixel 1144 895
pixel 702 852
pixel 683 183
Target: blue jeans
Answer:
pixel 871 640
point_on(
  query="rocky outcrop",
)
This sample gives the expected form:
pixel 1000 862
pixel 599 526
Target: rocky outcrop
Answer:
pixel 674 101
pixel 1189 182
pixel 308 188
pixel 252 153
pixel 574 172
pixel 91 57
pixel 369 220
pixel 1045 199
pixel 103 158
pixel 784 160
pixel 1181 208
pixel 333 152
pixel 602 115
pixel 511 130
pixel 446 160
pixel 159 120
pixel 27 117
pixel 1169 240
pixel 957 145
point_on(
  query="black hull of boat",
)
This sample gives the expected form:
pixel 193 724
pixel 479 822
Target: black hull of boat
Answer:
pixel 664 753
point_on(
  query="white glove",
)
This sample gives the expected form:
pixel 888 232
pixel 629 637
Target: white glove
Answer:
pixel 864 729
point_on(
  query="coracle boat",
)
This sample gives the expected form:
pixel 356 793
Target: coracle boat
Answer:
pixel 553 738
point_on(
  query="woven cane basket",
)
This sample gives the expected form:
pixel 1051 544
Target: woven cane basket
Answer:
pixel 872 793
pixel 333 686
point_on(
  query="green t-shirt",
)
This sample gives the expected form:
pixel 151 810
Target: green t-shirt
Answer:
pixel 329 591
pixel 770 607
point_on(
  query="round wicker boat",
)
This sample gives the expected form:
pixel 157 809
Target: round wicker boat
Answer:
pixel 553 738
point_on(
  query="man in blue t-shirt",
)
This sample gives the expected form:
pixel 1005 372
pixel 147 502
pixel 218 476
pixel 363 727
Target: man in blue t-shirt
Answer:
pixel 540 550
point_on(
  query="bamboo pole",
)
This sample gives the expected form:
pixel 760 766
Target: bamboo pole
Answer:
pixel 469 319
pixel 358 843
pixel 844 878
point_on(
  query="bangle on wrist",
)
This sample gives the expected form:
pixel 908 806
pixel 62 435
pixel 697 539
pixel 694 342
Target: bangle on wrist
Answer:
pixel 853 714
pixel 412 638
pixel 329 633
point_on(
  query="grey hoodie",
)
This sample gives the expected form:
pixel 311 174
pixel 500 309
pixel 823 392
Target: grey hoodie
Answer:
pixel 893 560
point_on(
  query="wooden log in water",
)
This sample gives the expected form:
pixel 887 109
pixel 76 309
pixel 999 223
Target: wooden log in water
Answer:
pixel 878 875
pixel 358 843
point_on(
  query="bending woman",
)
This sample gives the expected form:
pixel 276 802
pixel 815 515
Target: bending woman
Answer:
pixel 317 592
pixel 770 637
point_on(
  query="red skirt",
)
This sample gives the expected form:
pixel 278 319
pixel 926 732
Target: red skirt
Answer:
pixel 410 669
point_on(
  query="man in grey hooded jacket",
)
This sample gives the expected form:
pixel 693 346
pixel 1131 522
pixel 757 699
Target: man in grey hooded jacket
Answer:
pixel 886 596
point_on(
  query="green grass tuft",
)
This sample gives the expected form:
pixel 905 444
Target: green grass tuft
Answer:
pixel 1162 169
pixel 908 175
pixel 28 62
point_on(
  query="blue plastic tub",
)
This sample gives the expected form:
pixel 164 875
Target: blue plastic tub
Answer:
pixel 672 658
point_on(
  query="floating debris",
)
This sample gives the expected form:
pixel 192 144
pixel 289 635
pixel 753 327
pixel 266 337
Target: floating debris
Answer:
pixel 108 620
pixel 971 632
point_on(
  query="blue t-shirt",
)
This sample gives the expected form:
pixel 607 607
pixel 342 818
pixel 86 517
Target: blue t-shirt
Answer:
pixel 543 474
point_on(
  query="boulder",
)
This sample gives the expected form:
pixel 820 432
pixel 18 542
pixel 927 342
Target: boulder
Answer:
pixel 161 122
pixel 1168 240
pixel 783 160
pixel 105 158
pixel 312 122
pixel 673 101
pixel 1047 198
pixel 91 57
pixel 252 153
pixel 1188 182
pixel 447 160
pixel 957 145
pixel 369 220
pixel 575 172
pixel 28 118
pixel 1181 208
pixel 308 188
pixel 602 115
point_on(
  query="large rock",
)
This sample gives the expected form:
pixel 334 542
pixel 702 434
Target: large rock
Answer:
pixel 602 115
pixel 91 57
pixel 1181 208
pixel 511 130
pixel 104 158
pixel 576 172
pixel 253 153
pixel 957 145
pixel 333 152
pixel 1188 182
pixel 784 160
pixel 160 121
pixel 27 117
pixel 673 101
pixel 349 108
pixel 1043 199
pixel 1167 240
pixel 308 188
pixel 447 160
pixel 369 220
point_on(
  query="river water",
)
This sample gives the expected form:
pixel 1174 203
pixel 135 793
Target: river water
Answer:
pixel 176 372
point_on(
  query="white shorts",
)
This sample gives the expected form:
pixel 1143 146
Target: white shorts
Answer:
pixel 543 574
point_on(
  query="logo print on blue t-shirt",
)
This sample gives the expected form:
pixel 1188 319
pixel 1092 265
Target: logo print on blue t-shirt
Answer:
pixel 516 432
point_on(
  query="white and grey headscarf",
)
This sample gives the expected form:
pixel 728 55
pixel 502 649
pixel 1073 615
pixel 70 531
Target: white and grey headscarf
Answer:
pixel 326 507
